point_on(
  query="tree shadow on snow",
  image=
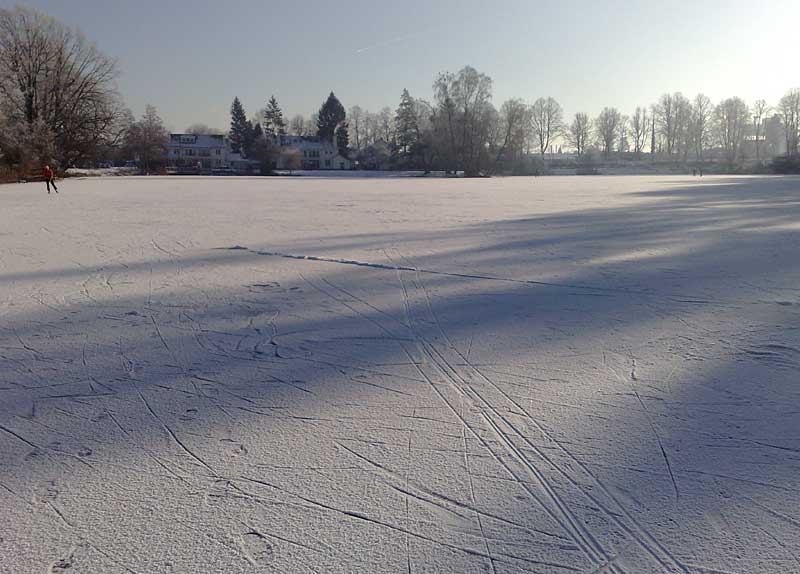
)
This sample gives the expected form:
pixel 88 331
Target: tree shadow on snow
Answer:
pixel 595 390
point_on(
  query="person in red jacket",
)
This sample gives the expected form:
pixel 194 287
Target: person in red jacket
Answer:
pixel 49 178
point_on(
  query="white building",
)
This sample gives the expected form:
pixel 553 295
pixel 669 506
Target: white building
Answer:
pixel 205 153
pixel 298 152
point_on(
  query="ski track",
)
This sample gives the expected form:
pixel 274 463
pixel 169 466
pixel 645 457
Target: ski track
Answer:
pixel 542 375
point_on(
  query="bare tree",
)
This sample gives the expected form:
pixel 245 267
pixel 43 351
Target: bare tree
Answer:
pixel 311 124
pixel 730 119
pixel 51 75
pixel 147 140
pixel 547 120
pixel 789 110
pixel 665 118
pixel 297 125
pixel 607 126
pixel 640 128
pixel 702 115
pixel 425 150
pixel 355 117
pixel 672 116
pixel 653 132
pixel 465 118
pixel 514 126
pixel 371 128
pixel 579 132
pixel 385 124
pixel 624 145
pixel 760 111
pixel 682 134
pixel 291 159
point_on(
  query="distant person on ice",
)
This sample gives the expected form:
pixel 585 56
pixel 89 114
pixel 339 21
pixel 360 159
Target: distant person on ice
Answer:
pixel 49 178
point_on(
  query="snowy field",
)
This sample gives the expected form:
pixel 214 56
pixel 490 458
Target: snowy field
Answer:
pixel 550 375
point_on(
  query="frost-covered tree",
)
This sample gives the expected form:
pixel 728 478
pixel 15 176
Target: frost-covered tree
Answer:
pixel 579 132
pixel 731 116
pixel 355 120
pixel 298 125
pixel 514 128
pixel 640 127
pixel 464 119
pixel 547 122
pixel 672 114
pixel 342 139
pixel 700 124
pixel 607 126
pixel 56 83
pixel 789 111
pixel 386 125
pixel 760 111
pixel 147 141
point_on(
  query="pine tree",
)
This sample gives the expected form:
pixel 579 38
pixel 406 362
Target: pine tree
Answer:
pixel 274 124
pixel 258 133
pixel 406 127
pixel 241 129
pixel 249 138
pixel 331 114
pixel 342 139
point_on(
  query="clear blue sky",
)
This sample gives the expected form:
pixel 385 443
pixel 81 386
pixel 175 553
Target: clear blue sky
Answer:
pixel 191 57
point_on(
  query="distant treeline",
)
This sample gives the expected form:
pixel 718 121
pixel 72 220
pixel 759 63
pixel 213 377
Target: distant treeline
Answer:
pixel 59 105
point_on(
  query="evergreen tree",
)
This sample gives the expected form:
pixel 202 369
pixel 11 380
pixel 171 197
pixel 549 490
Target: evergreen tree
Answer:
pixel 331 114
pixel 249 138
pixel 274 124
pixel 258 133
pixel 241 133
pixel 342 139
pixel 406 126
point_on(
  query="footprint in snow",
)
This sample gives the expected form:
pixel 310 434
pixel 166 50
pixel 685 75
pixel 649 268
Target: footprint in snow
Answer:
pixel 256 548
pixel 236 449
pixel 189 415
pixel 239 450
pixel 46 492
pixel 62 564
pixel 99 417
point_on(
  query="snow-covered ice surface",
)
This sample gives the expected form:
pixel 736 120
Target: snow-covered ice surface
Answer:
pixel 224 375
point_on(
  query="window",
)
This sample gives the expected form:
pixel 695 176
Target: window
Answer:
pixel 219 151
pixel 327 163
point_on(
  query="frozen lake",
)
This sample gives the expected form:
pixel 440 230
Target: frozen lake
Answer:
pixel 577 374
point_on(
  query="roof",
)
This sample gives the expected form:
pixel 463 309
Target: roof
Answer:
pixel 201 140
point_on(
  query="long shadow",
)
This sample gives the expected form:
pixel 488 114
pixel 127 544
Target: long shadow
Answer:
pixel 632 407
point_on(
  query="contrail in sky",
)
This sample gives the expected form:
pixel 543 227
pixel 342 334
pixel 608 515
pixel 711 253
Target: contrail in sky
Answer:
pixel 396 40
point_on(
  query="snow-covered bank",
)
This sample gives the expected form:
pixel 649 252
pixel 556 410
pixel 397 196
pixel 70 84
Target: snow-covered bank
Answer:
pixel 101 172
pixel 586 374
pixel 362 173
